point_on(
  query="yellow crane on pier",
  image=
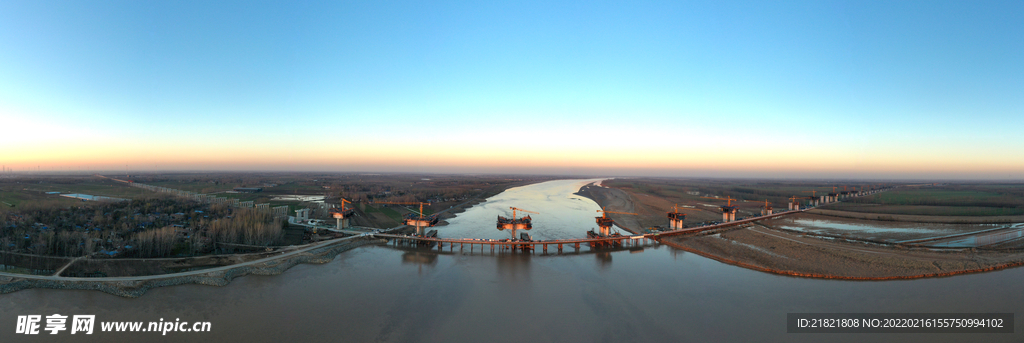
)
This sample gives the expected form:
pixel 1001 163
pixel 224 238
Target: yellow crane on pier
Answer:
pixel 418 222
pixel 342 214
pixel 606 223
pixel 605 213
pixel 514 209
pixel 767 208
pixel 404 203
pixel 728 200
pixel 514 224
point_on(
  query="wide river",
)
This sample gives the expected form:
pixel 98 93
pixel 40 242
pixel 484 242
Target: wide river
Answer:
pixel 384 293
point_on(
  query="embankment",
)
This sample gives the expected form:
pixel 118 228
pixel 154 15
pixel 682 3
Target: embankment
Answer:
pixel 760 248
pixel 137 286
pixel 616 200
pixel 919 218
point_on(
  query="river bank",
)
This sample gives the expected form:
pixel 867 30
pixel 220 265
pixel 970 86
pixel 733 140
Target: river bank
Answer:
pixel 453 211
pixel 133 277
pixel 616 200
pixel 850 255
pixel 780 252
pixel 482 197
pixel 651 210
pixel 136 286
pixel 919 218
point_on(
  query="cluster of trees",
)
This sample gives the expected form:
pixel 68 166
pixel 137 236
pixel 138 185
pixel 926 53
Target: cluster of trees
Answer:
pixel 405 190
pixel 158 226
pixel 246 226
pixel 155 243
pixel 960 195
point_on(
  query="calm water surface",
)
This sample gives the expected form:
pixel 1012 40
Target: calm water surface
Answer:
pixel 382 293
pixel 563 215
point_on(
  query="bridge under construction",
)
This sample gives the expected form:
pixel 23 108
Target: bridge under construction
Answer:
pixel 474 244
pixel 604 239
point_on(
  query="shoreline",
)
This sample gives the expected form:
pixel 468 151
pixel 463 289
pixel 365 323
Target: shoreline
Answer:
pixel 479 198
pixel 761 247
pixel 918 218
pixel 613 200
pixel 839 277
pixel 136 286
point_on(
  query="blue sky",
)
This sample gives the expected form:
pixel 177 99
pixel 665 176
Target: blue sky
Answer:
pixel 817 88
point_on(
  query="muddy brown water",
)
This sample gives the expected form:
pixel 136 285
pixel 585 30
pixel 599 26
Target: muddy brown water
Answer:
pixel 384 293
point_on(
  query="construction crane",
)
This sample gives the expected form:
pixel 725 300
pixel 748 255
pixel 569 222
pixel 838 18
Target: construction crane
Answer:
pixel 767 208
pixel 342 214
pixel 675 207
pixel 404 203
pixel 514 209
pixel 729 200
pixel 792 202
pixel 832 196
pixel 513 224
pixel 675 218
pixel 420 221
pixel 728 211
pixel 675 213
pixel 814 196
pixel 606 223
pixel 605 215
pixel 343 209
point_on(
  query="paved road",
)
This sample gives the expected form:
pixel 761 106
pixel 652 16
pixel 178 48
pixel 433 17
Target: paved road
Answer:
pixel 188 273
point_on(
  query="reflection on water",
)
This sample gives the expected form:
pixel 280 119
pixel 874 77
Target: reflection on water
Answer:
pixel 896 232
pixel 604 259
pixel 563 215
pixel 387 293
pixel 982 239
pixel 374 294
pixel 419 257
pixel 927 234
pixel 803 224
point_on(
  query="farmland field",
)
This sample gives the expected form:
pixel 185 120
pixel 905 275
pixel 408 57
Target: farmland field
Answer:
pixel 917 196
pixel 198 187
pixel 98 187
pixel 928 210
pixel 958 200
